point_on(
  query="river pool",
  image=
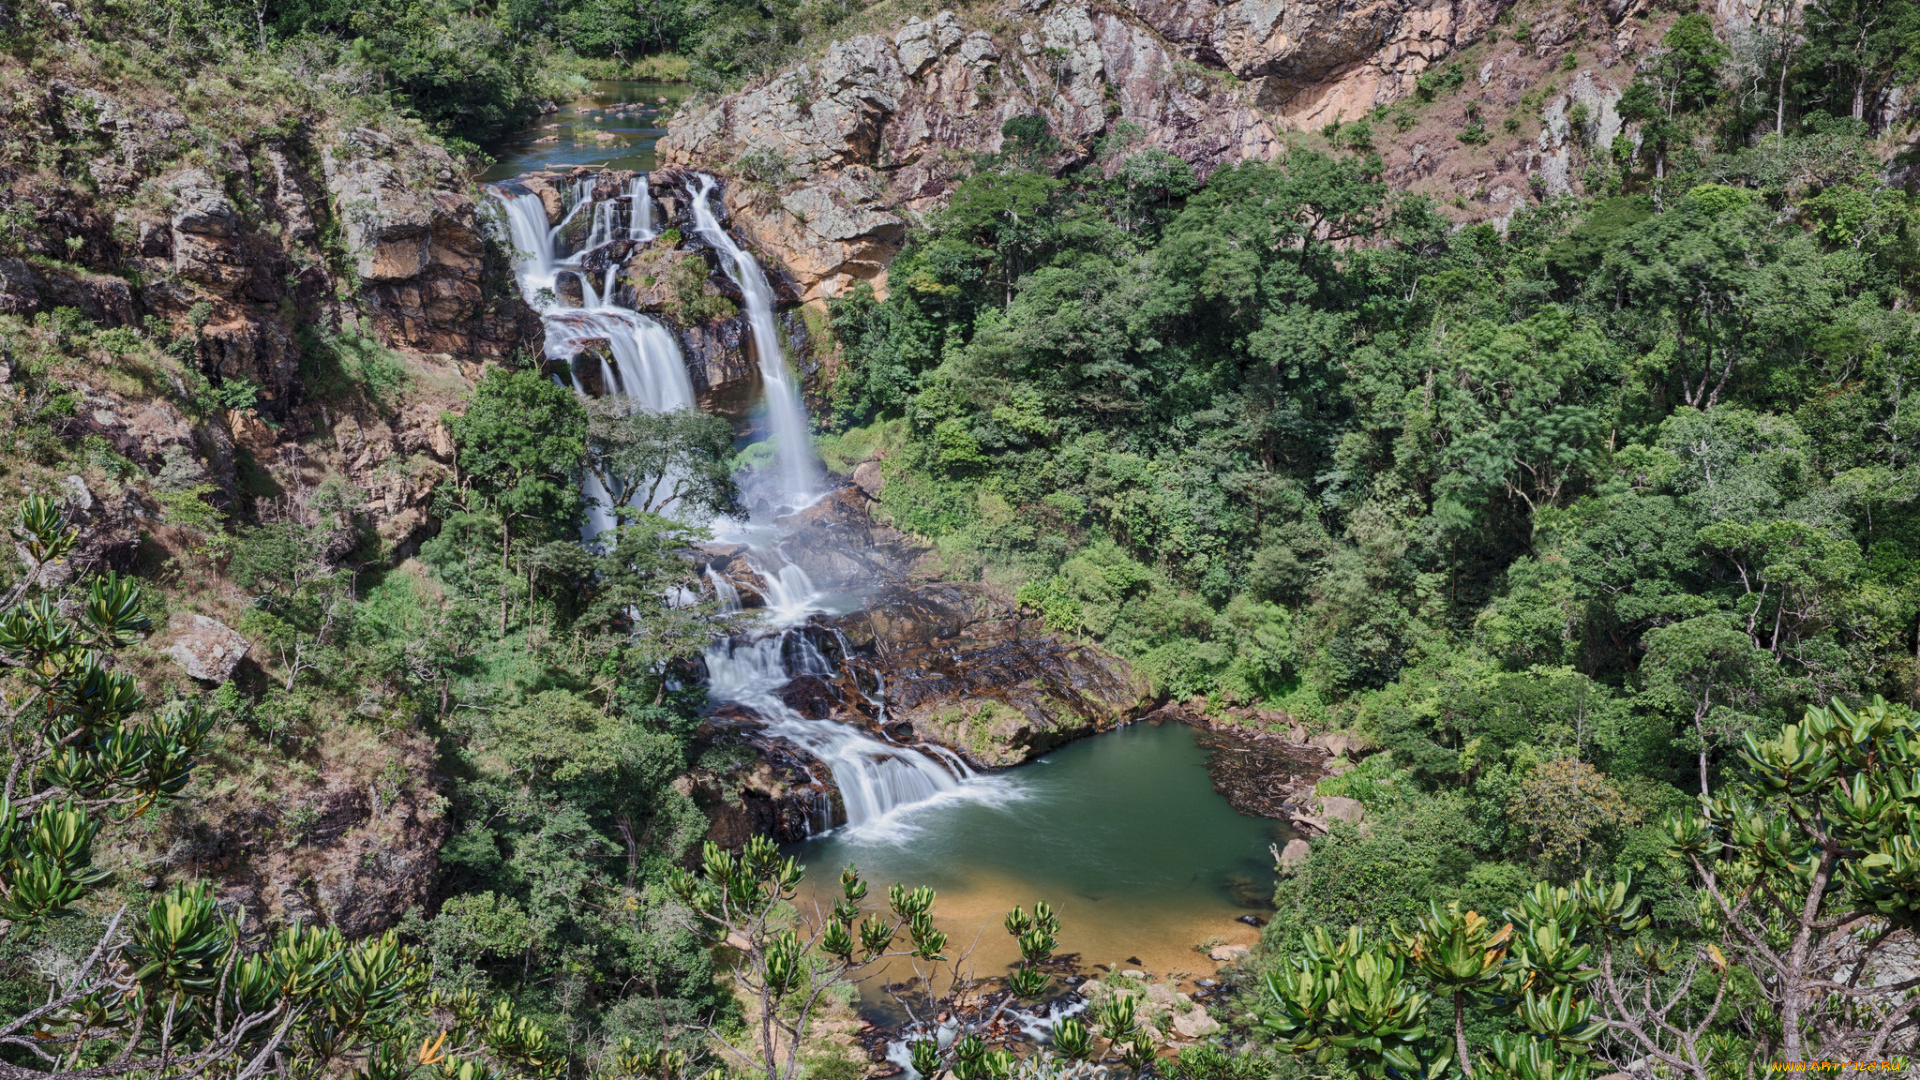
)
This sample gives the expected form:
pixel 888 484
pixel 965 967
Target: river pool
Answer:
pixel 1122 833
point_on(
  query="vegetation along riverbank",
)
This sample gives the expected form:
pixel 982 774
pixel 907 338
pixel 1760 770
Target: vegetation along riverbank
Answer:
pixel 702 539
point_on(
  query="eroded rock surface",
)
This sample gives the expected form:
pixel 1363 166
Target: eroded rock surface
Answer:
pixel 878 129
pixel 932 661
pixel 843 149
pixel 207 649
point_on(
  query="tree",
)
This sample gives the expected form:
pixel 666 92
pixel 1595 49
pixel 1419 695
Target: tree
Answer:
pixel 1682 78
pixel 1568 805
pixel 1461 954
pixel 301 604
pixel 787 966
pixel 1861 50
pixel 1370 999
pixel 1708 672
pixel 519 448
pixel 1809 876
pixel 674 462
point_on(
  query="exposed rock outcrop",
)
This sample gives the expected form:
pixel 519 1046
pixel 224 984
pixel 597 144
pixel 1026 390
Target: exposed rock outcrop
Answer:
pixel 879 127
pixel 842 149
pixel 1321 60
pixel 964 670
pixel 930 661
pixel 207 649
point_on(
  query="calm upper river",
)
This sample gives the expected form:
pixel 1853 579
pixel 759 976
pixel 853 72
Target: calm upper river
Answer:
pixel 614 126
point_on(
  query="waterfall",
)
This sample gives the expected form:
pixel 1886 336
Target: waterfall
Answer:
pixel 641 361
pixel 874 777
pixel 533 243
pixel 724 592
pixel 792 446
pixel 640 211
pixel 603 225
pixel 790 592
pixel 646 366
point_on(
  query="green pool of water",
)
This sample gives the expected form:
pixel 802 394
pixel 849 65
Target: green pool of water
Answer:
pixel 1122 833
pixel 567 137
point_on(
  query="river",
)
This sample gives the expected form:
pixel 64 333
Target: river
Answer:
pixel 1122 833
pixel 614 127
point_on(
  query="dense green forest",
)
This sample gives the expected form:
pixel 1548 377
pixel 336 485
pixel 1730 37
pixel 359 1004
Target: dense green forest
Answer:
pixel 1597 525
pixel 477 71
pixel 1559 515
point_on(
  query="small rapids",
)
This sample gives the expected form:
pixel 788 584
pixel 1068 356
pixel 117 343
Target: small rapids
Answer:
pixel 879 782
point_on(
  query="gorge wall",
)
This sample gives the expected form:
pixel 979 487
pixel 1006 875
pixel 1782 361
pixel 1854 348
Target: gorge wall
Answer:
pixel 839 153
pixel 231 299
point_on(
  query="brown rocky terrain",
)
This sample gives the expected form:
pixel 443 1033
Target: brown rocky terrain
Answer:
pixel 838 153
pixel 269 251
pixel 923 660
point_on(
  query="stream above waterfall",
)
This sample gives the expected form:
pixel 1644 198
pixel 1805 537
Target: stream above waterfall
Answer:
pixel 614 126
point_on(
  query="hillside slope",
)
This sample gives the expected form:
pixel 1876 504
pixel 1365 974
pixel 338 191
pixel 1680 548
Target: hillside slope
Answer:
pixel 1487 107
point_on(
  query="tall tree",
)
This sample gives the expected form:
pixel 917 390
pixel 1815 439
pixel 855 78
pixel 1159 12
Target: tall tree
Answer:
pixel 519 448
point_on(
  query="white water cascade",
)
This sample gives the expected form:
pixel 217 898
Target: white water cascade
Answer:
pixel 640 211
pixel 876 779
pixel 793 448
pixel 646 367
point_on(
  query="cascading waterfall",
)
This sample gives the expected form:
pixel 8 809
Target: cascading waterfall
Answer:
pixel 646 367
pixel 640 211
pixel 792 447
pixel 875 778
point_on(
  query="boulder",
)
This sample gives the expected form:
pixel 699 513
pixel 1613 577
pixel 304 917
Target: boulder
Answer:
pixel 868 477
pixel 207 649
pixel 19 288
pixel 1336 808
pixel 1194 1024
pixel 200 204
pixel 1295 854
pixel 1230 954
pixel 1334 743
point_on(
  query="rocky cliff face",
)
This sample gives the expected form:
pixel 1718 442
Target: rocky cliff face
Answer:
pixel 846 146
pixel 265 266
pixel 836 155
pixel 1318 61
pixel 879 127
pixel 242 250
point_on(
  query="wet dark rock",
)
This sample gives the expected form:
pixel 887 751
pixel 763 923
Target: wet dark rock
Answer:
pixel 929 661
pixel 588 367
pixel 1251 920
pixel 775 790
pixel 810 696
pixel 567 288
pixel 598 260
pixel 726 381
pixel 1263 773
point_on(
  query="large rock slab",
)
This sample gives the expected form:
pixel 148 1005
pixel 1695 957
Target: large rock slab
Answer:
pixel 843 150
pixel 207 649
